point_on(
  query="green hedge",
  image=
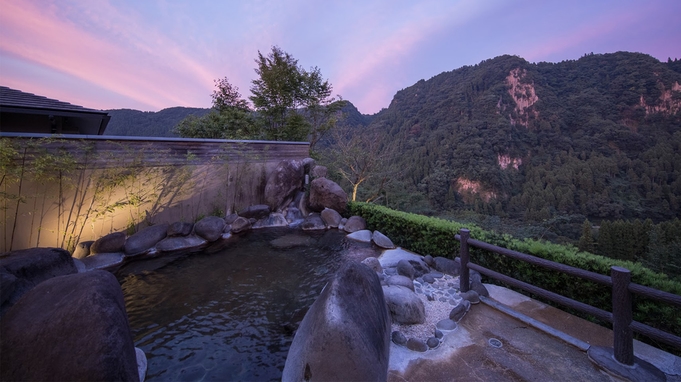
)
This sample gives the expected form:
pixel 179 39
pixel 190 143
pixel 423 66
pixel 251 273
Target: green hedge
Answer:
pixel 434 236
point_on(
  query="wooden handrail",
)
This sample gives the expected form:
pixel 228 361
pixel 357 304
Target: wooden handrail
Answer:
pixel 619 281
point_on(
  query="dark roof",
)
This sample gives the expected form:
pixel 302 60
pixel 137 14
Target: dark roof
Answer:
pixel 11 98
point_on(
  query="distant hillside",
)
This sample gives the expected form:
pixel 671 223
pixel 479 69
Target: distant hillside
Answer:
pixel 148 123
pixel 598 137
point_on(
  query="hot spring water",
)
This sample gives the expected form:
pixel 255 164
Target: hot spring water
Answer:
pixel 230 315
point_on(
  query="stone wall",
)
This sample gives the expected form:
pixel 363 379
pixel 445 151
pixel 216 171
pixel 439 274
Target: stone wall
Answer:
pixel 57 192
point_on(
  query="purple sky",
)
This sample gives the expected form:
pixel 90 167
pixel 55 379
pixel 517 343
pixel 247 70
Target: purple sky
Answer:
pixel 154 54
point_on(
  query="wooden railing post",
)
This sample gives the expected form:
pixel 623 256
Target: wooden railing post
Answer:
pixel 622 316
pixel 464 255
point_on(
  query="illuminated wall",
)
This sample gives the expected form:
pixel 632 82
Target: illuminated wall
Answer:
pixel 56 192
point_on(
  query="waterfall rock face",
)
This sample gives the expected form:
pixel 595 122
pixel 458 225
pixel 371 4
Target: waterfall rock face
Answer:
pixel 345 336
pixel 283 184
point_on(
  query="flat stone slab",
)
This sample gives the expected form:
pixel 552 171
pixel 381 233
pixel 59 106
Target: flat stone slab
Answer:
pixel 103 261
pixel 363 236
pixel 180 243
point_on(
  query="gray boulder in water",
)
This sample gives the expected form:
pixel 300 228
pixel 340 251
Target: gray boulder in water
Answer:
pixel 345 336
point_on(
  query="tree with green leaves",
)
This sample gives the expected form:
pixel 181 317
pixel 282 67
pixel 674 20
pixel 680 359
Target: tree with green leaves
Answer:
pixel 292 103
pixel 586 241
pixel 230 118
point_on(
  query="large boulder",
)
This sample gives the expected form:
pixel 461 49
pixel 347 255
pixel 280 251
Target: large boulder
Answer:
pixel 313 222
pixel 325 193
pixel 145 239
pixel 345 336
pixel 354 224
pixel 180 244
pixel 69 328
pixel 112 242
pixel 24 269
pixel 104 261
pixel 275 219
pixel 283 183
pixel 382 241
pixel 331 217
pixel 241 224
pixel 405 306
pixel 210 227
pixel 180 229
pixel 448 266
pixel 258 211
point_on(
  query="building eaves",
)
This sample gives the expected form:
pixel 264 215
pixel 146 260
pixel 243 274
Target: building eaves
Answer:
pixel 16 99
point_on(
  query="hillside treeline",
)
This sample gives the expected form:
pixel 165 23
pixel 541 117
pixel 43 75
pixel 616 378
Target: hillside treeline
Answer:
pixel 598 137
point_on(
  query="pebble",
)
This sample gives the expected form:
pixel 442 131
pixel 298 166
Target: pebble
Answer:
pixel 428 278
pixel 432 342
pixel 471 296
pixel 416 345
pixel 446 324
pixel 438 334
pixel 398 338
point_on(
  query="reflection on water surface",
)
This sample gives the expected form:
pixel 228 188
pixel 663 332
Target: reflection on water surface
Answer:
pixel 230 315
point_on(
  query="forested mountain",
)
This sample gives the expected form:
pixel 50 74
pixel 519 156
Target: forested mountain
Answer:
pixel 598 137
pixel 148 123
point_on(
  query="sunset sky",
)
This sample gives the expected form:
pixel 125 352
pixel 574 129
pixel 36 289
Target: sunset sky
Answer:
pixel 154 54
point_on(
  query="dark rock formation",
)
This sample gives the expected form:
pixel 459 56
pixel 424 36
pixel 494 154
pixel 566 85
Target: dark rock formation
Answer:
pixel 325 193
pixel 416 345
pixel 69 328
pixel 373 263
pixel 398 338
pixel 447 266
pixel 24 269
pixel 180 229
pixel 382 241
pixel 331 217
pixel 479 288
pixel 405 268
pixel 313 222
pixel 275 219
pixel 177 244
pixel 145 239
pixel 354 224
pixel 459 311
pixel 105 261
pixel 405 306
pixel 345 336
pixel 112 242
pixel 210 227
pixel 240 224
pixel 401 281
pixel 283 183
pixel 258 211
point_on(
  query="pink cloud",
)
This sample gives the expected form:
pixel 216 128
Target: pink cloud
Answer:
pixel 580 36
pixel 42 35
pixel 369 60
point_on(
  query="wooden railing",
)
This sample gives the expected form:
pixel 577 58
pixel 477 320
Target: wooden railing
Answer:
pixel 619 280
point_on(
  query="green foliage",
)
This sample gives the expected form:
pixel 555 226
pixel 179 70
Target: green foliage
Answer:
pixel 284 94
pixel 230 123
pixel 593 144
pixel 436 237
pixel 230 117
pixel 148 123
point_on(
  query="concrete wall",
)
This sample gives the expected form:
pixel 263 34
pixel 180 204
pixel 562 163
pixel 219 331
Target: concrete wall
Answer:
pixel 56 192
